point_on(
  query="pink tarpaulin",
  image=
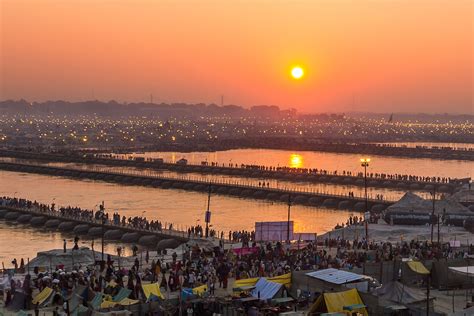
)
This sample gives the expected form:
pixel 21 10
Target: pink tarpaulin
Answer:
pixel 245 251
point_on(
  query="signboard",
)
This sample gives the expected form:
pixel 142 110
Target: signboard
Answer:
pixel 273 231
pixel 455 243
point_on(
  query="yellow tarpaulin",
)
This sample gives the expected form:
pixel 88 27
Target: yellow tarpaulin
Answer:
pixel 245 282
pixel 124 302
pixel 335 302
pixel 108 304
pixel 152 288
pixel 284 279
pixel 42 296
pixel 418 267
pixel 128 301
pixel 200 289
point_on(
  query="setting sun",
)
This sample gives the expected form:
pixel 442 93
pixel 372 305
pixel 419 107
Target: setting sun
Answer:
pixel 297 72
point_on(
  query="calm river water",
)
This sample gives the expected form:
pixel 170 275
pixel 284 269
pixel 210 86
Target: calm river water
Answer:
pixel 184 208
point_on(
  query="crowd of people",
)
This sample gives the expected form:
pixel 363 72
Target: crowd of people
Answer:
pixel 215 266
pixel 138 222
pixel 374 175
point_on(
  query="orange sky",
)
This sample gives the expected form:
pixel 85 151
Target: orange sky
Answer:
pixel 378 55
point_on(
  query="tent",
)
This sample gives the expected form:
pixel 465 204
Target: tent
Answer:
pixel 412 202
pixel 245 284
pixel 338 303
pixel 266 290
pixel 200 290
pixel 418 267
pixel 444 277
pixel 284 279
pixel 408 202
pixel 400 293
pixel 122 294
pixel 152 289
pixel 42 297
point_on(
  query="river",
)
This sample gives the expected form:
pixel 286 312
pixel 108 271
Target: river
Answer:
pixel 182 208
pixel 326 161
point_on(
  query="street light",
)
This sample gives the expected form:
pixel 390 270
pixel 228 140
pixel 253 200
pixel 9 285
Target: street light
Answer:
pixel 102 222
pixel 208 212
pixel 433 194
pixel 288 223
pixel 364 162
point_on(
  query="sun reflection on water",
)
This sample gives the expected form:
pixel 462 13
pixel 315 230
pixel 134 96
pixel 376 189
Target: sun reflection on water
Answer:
pixel 296 161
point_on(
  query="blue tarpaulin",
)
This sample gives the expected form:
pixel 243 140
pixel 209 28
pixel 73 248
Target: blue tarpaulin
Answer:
pixel 266 288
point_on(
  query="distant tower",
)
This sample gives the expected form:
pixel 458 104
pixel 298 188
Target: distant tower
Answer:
pixel 222 100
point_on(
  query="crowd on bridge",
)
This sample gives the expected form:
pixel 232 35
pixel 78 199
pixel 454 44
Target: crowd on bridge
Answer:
pixel 373 175
pixel 137 222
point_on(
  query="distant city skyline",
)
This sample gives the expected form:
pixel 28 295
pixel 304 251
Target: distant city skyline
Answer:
pixel 357 56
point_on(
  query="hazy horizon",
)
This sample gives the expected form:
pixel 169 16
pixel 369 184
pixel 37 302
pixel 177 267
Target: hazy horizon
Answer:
pixel 364 56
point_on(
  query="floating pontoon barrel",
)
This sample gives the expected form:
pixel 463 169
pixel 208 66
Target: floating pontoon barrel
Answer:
pixel 66 226
pixel 95 231
pixel 314 201
pixel 25 218
pixel 359 206
pixel 130 237
pixel 235 191
pixel 300 199
pixel 222 190
pixel 149 240
pixel 167 244
pixel 11 216
pixel 344 205
pixel 246 192
pixel 177 185
pixel 258 195
pixel 52 223
pixel 3 213
pixel 38 220
pixel 330 203
pixel 81 229
pixel 188 186
pixel 273 196
pixel 114 234
pixel 165 185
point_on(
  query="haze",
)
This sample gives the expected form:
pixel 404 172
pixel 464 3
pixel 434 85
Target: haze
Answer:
pixel 381 56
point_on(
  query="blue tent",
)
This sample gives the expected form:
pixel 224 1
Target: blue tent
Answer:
pixel 267 289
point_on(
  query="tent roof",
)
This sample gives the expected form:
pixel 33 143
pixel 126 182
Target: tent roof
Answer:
pixel 413 202
pixel 400 293
pixel 408 202
pixel 418 267
pixel 467 270
pixel 267 289
pixel 335 276
pixel 335 302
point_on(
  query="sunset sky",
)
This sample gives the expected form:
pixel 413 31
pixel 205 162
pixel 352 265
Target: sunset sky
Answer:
pixel 357 55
